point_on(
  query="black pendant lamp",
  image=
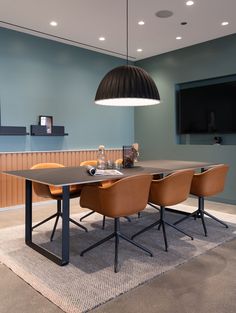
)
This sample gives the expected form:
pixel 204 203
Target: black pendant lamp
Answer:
pixel 127 85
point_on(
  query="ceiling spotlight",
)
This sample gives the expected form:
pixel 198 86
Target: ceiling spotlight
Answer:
pixel 141 22
pixel 53 23
pixel 189 2
pixel 224 23
pixel 102 38
pixel 139 50
pixel 178 38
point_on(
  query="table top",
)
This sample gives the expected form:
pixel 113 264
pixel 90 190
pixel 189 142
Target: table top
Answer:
pixel 63 176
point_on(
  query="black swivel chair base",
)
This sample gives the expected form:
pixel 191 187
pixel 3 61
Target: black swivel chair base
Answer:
pixel 199 213
pixel 57 215
pixel 86 215
pixel 104 218
pixel 161 223
pixel 117 235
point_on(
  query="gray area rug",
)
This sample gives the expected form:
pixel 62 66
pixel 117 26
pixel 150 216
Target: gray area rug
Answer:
pixel 89 281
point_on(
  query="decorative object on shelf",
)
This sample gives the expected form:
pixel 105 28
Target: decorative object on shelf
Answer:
pixel 127 85
pixel 217 140
pixel 41 130
pixel 46 121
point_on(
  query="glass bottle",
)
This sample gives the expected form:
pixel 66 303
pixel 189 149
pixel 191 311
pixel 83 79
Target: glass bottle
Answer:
pixel 101 158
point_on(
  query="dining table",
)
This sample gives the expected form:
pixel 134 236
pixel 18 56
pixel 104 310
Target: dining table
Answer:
pixel 66 176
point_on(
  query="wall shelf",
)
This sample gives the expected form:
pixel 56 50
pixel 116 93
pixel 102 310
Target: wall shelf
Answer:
pixel 40 130
pixel 13 131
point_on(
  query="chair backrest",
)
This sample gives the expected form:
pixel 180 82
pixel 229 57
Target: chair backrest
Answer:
pixel 119 161
pixel 126 196
pixel 172 189
pixel 89 162
pixel 209 182
pixel 46 165
pixel 42 190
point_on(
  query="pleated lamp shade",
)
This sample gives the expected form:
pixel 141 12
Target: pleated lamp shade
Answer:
pixel 127 86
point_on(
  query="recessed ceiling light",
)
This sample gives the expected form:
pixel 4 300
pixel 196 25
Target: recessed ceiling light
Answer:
pixel 102 38
pixel 189 2
pixel 139 50
pixel 53 23
pixel 224 23
pixel 141 22
pixel 178 37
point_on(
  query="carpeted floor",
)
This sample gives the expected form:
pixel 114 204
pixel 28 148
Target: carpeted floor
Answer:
pixel 89 281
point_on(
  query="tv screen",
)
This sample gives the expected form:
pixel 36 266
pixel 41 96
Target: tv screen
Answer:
pixel 207 108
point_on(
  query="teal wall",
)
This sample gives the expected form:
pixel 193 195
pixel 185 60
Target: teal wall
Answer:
pixel 155 127
pixel 44 77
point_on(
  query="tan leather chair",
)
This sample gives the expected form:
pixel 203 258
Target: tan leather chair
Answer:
pixel 55 193
pixel 208 183
pixel 104 183
pixel 89 162
pixel 121 198
pixel 167 191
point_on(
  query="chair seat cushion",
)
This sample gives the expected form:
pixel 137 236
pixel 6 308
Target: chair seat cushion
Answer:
pixel 56 192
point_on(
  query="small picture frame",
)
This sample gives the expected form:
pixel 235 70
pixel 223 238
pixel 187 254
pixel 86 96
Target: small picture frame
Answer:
pixel 46 121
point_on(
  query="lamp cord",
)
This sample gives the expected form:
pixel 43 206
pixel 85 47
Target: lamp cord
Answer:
pixel 127 32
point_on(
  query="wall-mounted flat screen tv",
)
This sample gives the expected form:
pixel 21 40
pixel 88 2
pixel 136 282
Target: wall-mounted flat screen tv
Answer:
pixel 207 107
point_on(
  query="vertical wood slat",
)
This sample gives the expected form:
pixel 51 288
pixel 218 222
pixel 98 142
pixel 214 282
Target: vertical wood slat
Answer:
pixel 12 189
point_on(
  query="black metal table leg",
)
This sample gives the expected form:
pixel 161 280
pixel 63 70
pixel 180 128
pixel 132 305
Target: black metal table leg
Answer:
pixel 28 211
pixel 65 227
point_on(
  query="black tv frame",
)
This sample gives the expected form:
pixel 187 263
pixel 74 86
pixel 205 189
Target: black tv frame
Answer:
pixel 222 80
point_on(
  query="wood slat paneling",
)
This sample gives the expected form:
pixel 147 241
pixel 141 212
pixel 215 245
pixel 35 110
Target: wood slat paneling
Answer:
pixel 12 189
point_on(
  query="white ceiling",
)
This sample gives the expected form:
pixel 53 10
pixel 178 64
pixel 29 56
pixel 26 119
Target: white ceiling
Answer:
pixel 84 21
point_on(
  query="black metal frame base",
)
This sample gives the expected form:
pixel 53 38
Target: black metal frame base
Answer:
pixel 57 215
pixel 65 246
pixel 199 213
pixel 161 222
pixel 117 235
